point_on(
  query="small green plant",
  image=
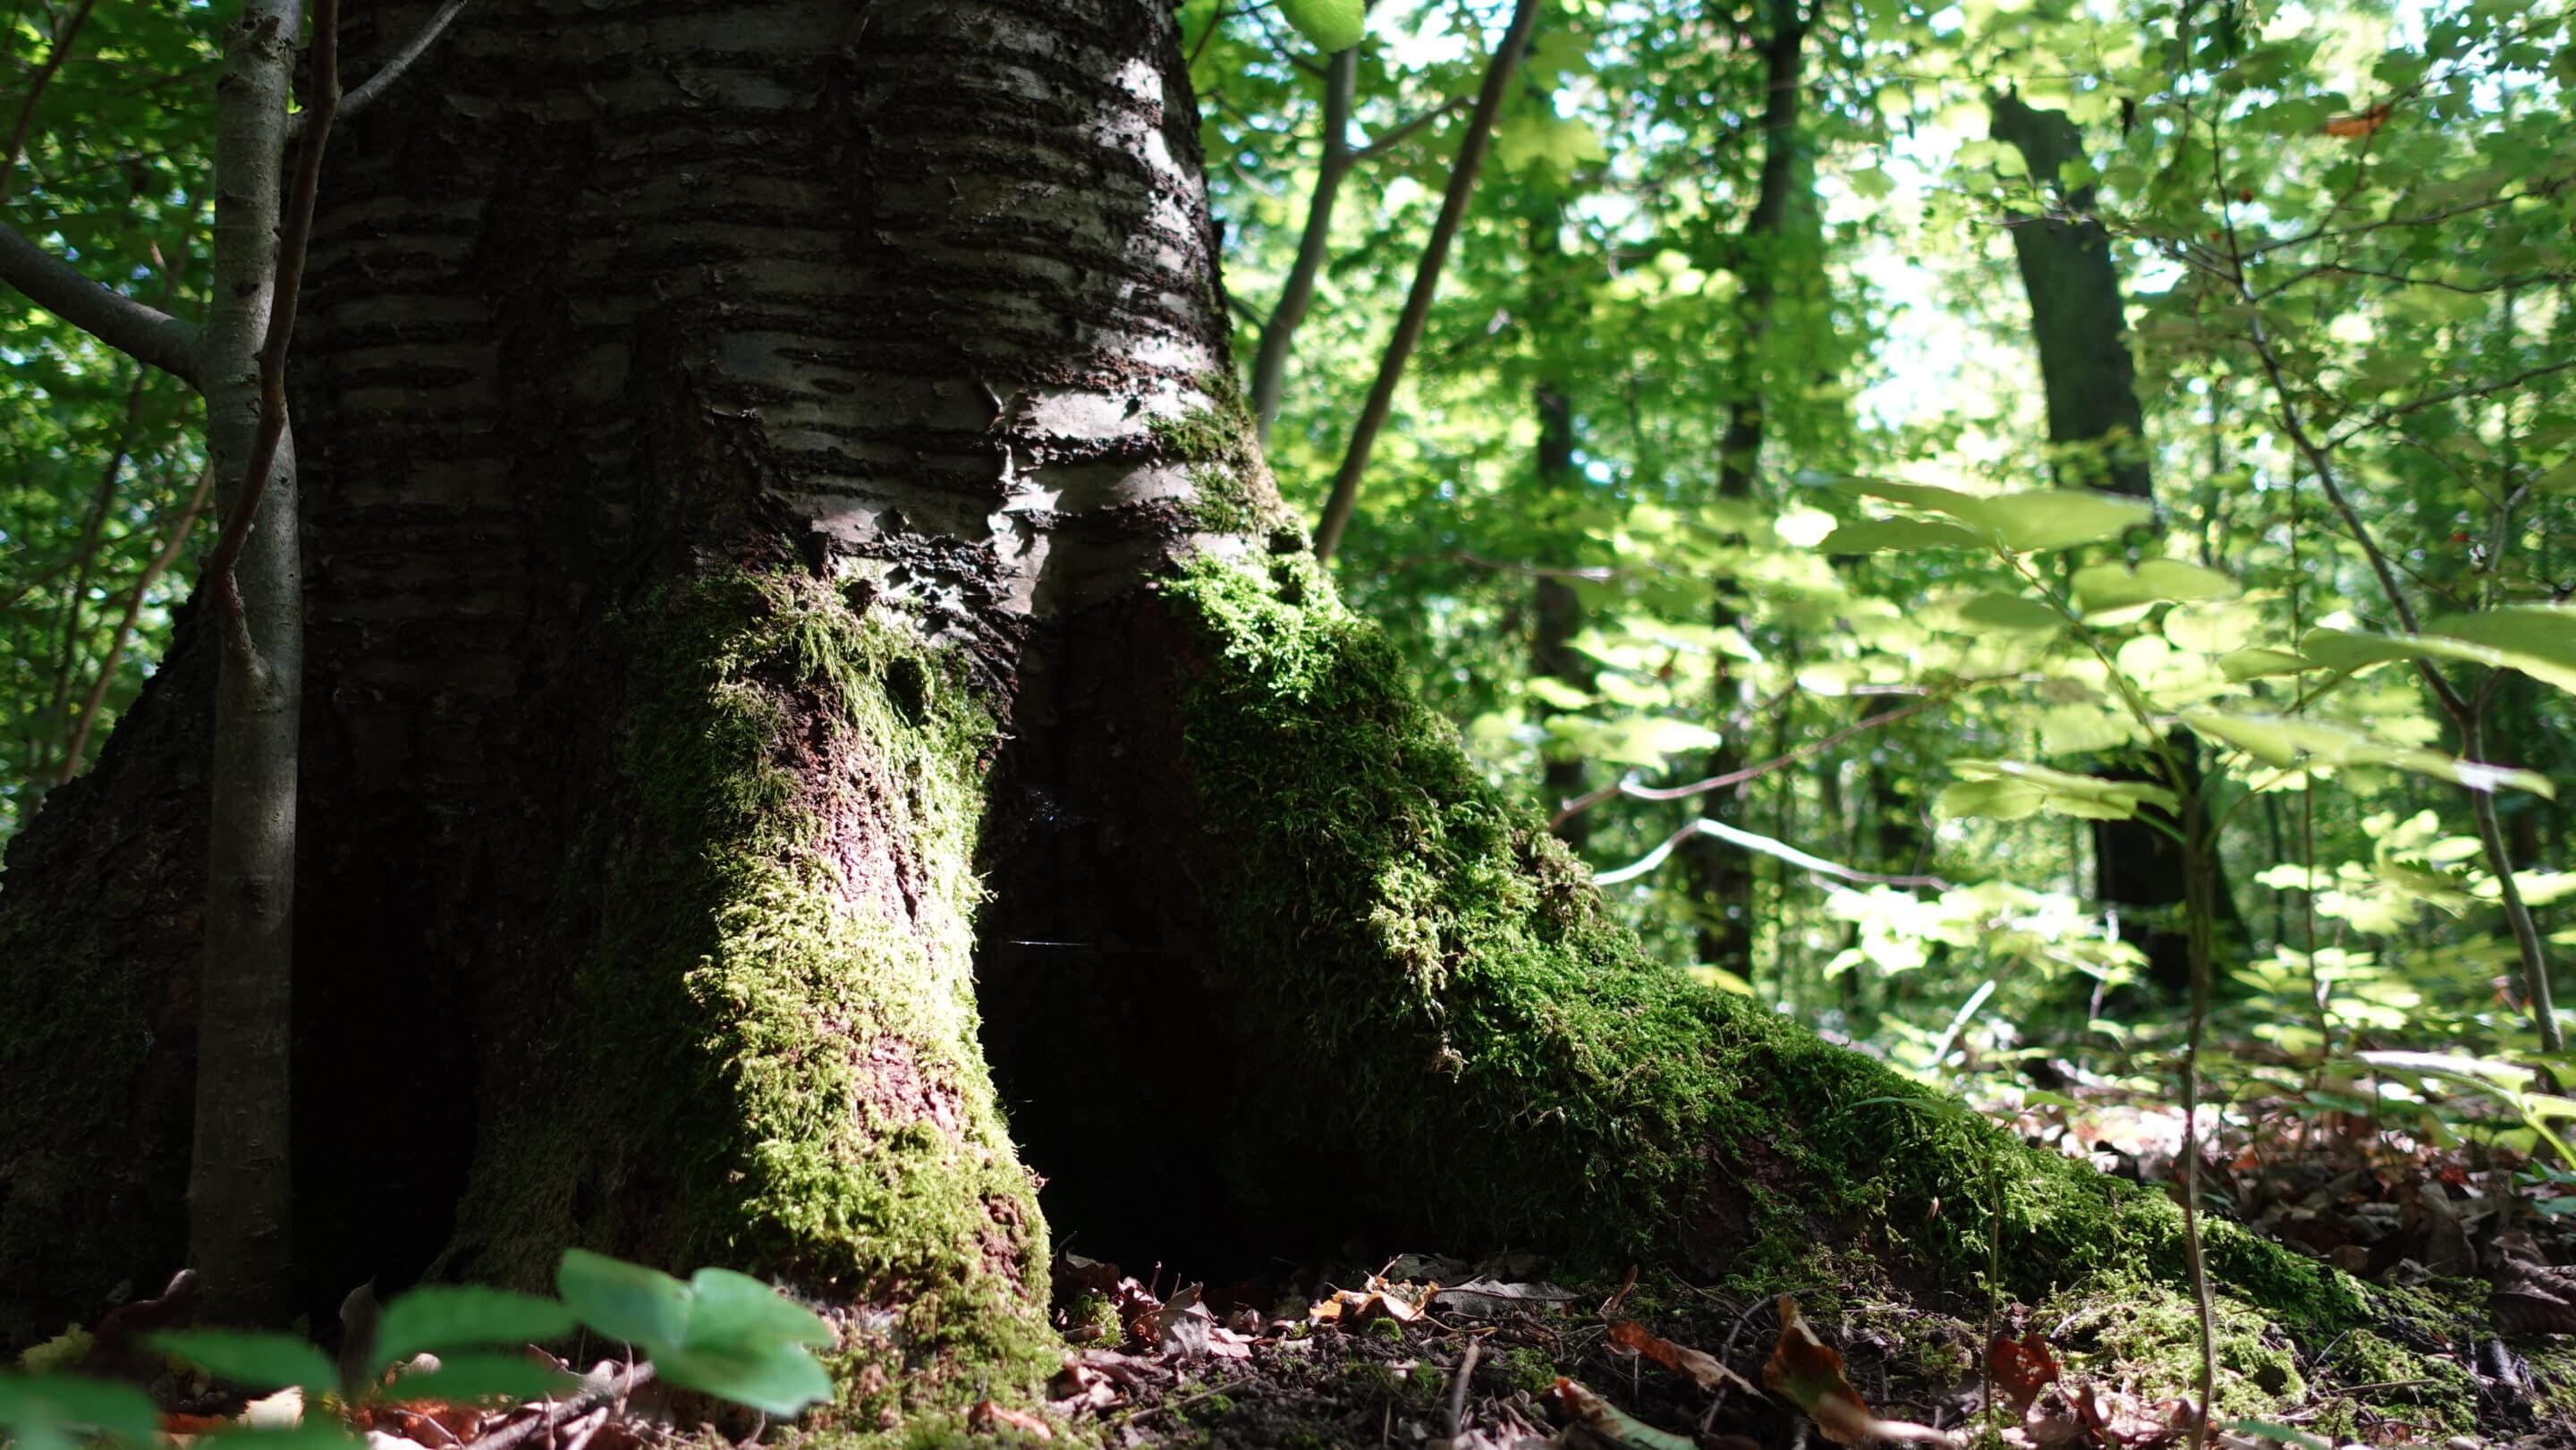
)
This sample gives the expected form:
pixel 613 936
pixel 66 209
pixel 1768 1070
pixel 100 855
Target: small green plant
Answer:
pixel 721 1333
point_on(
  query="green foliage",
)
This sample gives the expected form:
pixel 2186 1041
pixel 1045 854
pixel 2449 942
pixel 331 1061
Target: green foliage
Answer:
pixel 721 1333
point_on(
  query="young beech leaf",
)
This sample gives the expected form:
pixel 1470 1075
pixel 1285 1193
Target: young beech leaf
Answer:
pixel 1331 24
pixel 624 1301
pixel 464 1378
pixel 727 1308
pixel 776 1379
pixel 455 1316
pixel 50 1408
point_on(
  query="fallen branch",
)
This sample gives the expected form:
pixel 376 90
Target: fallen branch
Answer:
pixel 1761 845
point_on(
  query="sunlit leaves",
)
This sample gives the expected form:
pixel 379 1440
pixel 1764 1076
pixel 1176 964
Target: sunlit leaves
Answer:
pixel 2042 519
pixel 1330 24
pixel 2009 790
pixel 2287 742
pixel 2103 587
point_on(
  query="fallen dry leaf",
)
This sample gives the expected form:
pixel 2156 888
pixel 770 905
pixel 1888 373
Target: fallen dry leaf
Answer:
pixel 281 1411
pixel 2021 1370
pixel 2533 1299
pixel 1703 1368
pixel 1183 1325
pixel 1598 1416
pixel 987 1417
pixel 1488 1298
pixel 1808 1371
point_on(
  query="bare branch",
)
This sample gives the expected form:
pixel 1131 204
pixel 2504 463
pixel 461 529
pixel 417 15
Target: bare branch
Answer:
pixel 144 333
pixel 124 636
pixel 1270 364
pixel 383 80
pixel 1761 845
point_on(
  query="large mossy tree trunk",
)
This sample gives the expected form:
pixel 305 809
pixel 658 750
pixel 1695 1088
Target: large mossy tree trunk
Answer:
pixel 799 632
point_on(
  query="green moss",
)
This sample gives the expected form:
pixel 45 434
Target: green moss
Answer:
pixel 1526 1369
pixel 783 1071
pixel 1430 995
pixel 1230 482
pixel 2400 1384
pixel 2129 1327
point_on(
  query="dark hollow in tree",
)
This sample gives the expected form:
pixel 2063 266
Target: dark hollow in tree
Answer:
pixel 799 631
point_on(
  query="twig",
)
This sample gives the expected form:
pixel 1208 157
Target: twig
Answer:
pixel 1634 791
pixel 1458 1387
pixel 1270 364
pixel 1763 845
pixel 1397 134
pixel 590 1397
pixel 55 55
pixel 392 71
pixel 1426 280
pixel 161 562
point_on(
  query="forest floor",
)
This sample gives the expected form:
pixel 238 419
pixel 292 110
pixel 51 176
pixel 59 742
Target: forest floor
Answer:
pixel 2474 1347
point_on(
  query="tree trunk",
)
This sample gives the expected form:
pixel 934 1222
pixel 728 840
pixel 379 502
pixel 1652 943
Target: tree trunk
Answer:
pixel 774 515
pixel 2097 439
pixel 1721 872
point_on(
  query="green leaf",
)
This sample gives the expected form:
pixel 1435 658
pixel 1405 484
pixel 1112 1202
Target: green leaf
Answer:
pixel 624 1301
pixel 253 1361
pixel 464 1378
pixel 2063 517
pixel 2537 639
pixel 2102 587
pixel 2012 614
pixel 2255 663
pixel 778 1379
pixel 1331 24
pixel 1878 536
pixel 34 1406
pixel 2054 518
pixel 2008 790
pixel 737 1309
pixel 2284 742
pixel 443 1316
pixel 314 1434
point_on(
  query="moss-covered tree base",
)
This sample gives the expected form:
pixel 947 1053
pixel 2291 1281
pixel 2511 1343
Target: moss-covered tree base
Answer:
pixel 766 1035
pixel 1402 1016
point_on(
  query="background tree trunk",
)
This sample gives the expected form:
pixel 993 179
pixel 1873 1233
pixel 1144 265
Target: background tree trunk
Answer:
pixel 2097 437
pixel 1722 872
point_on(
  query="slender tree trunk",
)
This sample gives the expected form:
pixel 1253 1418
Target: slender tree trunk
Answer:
pixel 797 635
pixel 1314 245
pixel 1721 873
pixel 1556 611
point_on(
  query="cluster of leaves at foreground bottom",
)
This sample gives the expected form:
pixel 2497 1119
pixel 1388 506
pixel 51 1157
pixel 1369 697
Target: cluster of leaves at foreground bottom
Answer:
pixel 1428 989
pixel 721 1333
